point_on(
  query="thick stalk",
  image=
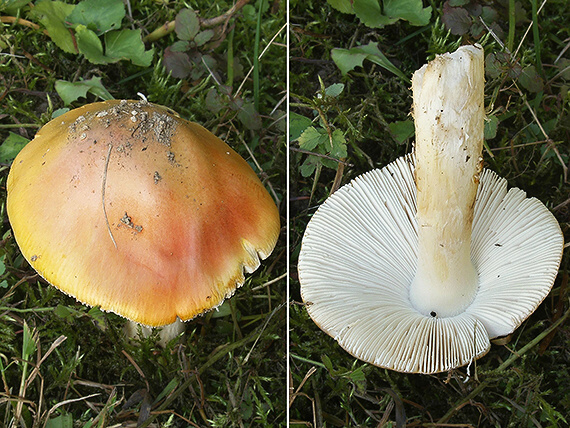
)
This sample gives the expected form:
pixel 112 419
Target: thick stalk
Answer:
pixel 449 118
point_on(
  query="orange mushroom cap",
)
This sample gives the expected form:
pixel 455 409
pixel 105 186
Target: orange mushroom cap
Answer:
pixel 126 206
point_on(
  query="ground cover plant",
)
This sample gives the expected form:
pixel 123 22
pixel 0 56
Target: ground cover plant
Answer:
pixel 220 64
pixel 350 101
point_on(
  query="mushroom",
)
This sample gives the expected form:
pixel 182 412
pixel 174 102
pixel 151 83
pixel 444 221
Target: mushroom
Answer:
pixel 416 266
pixel 126 206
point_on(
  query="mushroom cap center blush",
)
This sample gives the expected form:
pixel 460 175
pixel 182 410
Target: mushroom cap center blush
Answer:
pixel 416 266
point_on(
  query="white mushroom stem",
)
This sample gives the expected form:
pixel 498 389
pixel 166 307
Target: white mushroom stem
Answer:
pixel 166 333
pixel 449 118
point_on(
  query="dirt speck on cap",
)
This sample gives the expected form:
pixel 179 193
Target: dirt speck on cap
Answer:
pixel 142 124
pixel 127 221
pixel 164 127
pixel 171 157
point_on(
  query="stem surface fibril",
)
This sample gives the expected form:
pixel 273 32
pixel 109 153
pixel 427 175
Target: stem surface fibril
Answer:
pixel 449 118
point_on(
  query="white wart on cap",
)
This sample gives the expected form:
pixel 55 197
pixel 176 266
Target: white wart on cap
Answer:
pixel 379 259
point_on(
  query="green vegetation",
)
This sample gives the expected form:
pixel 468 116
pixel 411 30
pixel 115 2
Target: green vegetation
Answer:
pixel 63 364
pixel 362 97
pixel 222 64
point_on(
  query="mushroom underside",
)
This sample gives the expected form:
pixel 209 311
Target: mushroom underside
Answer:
pixel 359 257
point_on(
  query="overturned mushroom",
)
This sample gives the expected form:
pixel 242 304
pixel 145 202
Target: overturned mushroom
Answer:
pixel 416 266
pixel 124 205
